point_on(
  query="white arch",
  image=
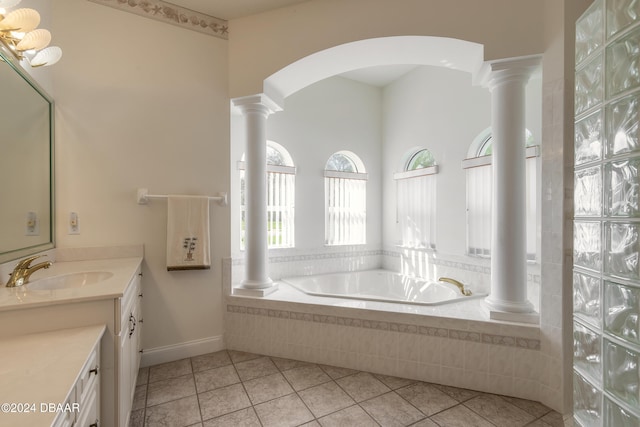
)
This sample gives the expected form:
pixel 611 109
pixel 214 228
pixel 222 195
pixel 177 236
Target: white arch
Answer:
pixel 398 50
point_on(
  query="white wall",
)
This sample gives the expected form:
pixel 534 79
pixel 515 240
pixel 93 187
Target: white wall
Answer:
pixel 142 104
pixel 331 115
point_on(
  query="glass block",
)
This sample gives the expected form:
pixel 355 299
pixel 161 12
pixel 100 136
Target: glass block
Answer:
pixel 587 245
pixel 621 309
pixel 586 352
pixel 586 298
pixel 589 30
pixel 622 71
pixel 618 417
pixel 623 132
pixel 589 85
pixel 588 192
pixel 621 372
pixel 621 14
pixel 588 139
pixel 622 250
pixel 621 188
pixel 587 402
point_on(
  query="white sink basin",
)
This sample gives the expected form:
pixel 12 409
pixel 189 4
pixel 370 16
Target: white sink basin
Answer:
pixel 71 280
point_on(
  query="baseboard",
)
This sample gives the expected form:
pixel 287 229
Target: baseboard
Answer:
pixel 169 353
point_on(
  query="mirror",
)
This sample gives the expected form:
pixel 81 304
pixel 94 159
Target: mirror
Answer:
pixel 26 163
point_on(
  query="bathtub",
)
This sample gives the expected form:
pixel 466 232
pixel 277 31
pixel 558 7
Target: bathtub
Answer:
pixel 378 285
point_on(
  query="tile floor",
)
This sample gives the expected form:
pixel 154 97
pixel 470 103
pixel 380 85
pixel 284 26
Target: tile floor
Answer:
pixel 232 388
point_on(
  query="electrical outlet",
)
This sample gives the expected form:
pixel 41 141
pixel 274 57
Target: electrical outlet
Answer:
pixel 74 224
pixel 32 227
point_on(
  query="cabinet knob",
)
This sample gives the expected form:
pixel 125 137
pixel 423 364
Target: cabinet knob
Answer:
pixel 140 294
pixel 94 424
pixel 94 370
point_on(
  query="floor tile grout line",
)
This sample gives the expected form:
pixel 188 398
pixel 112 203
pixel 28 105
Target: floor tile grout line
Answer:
pixel 195 387
pixel 506 399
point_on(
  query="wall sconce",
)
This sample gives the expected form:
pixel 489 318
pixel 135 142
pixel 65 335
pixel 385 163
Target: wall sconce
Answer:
pixel 20 34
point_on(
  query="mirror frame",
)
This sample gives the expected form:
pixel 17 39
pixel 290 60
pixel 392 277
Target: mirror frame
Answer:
pixel 10 59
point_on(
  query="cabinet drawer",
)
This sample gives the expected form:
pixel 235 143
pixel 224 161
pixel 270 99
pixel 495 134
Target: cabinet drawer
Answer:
pixel 89 412
pixel 88 376
pixel 66 418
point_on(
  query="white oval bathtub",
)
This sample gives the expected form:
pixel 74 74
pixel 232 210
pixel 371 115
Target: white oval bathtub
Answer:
pixel 377 285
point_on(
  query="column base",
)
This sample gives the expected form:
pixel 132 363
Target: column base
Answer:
pixel 508 311
pixel 249 289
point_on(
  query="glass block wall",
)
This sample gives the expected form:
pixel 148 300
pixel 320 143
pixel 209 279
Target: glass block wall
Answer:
pixel 606 277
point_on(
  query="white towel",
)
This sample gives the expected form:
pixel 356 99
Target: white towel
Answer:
pixel 188 246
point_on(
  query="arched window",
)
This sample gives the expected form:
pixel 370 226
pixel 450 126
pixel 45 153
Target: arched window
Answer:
pixel 486 143
pixel 280 198
pixel 480 193
pixel 345 189
pixel 416 199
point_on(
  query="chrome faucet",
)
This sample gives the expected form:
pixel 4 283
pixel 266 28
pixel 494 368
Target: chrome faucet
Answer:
pixel 465 292
pixel 24 270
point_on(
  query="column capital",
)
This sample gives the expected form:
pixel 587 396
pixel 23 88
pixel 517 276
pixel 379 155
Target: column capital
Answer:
pixel 257 103
pixel 494 73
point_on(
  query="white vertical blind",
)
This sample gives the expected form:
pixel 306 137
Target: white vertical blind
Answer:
pixel 532 206
pixel 345 210
pixel 479 194
pixel 280 207
pixel 416 211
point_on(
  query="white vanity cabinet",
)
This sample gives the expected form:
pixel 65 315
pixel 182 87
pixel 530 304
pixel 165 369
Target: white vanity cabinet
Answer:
pixel 115 303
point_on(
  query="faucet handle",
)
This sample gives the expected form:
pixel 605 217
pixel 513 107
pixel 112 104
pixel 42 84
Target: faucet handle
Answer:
pixel 27 261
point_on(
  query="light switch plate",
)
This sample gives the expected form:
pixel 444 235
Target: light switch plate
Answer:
pixel 74 224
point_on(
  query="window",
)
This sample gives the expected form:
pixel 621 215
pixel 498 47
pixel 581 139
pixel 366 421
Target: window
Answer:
pixel 479 195
pixel 280 198
pixel 345 189
pixel 416 200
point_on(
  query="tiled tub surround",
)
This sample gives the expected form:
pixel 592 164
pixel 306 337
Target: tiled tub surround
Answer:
pixel 228 388
pixel 453 344
pixel 462 352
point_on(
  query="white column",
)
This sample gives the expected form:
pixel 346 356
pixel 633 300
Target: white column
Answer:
pixel 255 110
pixel 507 81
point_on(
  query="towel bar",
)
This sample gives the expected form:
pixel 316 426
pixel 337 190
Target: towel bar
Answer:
pixel 144 196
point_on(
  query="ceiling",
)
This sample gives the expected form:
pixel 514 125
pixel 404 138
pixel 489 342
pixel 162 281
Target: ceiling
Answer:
pixel 232 9
pixel 379 76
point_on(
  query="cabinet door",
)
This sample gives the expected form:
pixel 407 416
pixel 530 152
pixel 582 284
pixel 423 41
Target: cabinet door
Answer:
pixel 136 344
pixel 125 378
pixel 128 355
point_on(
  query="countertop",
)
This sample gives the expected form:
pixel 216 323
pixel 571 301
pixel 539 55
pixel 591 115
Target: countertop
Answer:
pixel 40 369
pixel 123 270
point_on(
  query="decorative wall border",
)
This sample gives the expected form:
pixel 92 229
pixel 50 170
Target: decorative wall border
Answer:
pixel 503 340
pixel 172 14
